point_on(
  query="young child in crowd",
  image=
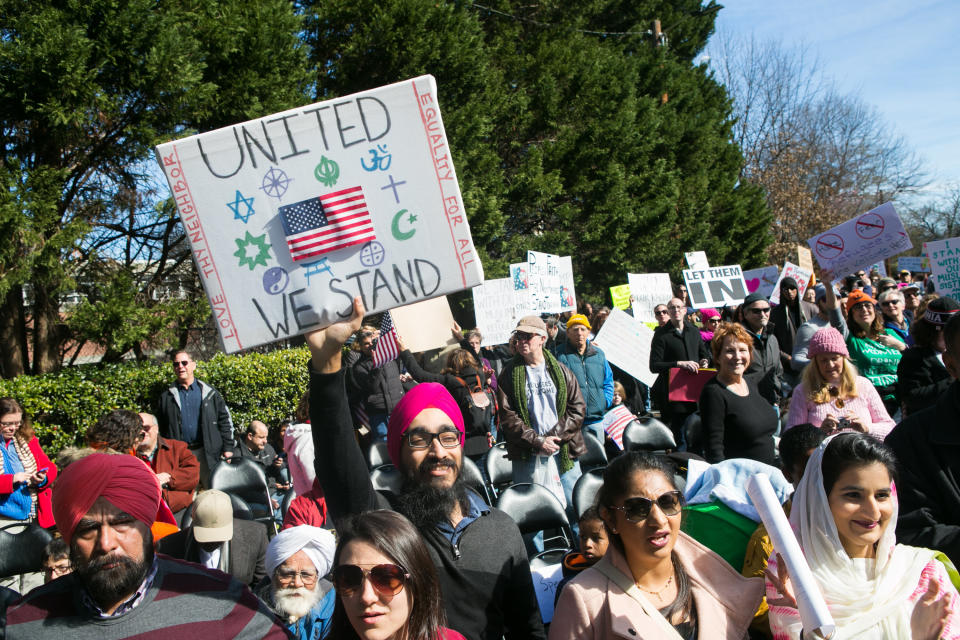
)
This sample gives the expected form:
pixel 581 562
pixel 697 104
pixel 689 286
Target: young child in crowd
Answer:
pixel 593 545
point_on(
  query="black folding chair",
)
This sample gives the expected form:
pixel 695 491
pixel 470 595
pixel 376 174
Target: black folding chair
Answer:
pixel 595 455
pixel 246 479
pixel 499 469
pixel 378 455
pixel 534 508
pixel 648 434
pixel 241 511
pixel 22 552
pixel 586 489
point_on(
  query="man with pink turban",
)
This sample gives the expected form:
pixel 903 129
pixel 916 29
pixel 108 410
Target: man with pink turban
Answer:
pixel 479 554
pixel 104 506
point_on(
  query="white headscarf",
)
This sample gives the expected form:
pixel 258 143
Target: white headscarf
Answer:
pixel 319 544
pixel 862 608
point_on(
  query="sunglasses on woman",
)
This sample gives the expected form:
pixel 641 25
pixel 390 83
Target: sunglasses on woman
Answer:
pixel 387 579
pixel 637 509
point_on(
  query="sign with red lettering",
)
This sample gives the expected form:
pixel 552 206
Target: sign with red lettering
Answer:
pixel 862 241
pixel 292 215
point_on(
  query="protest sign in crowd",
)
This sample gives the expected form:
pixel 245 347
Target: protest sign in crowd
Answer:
pixel 712 457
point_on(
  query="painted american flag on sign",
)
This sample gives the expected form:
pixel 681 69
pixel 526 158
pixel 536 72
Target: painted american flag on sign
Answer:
pixel 327 223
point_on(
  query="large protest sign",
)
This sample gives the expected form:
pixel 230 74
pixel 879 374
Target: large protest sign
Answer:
pixel 914 264
pixel 945 265
pixel 292 215
pixel 858 243
pixel 620 295
pixel 762 280
pixel 497 307
pixel 626 343
pixel 647 290
pixel 550 283
pixel 425 325
pixel 715 286
pixel 798 273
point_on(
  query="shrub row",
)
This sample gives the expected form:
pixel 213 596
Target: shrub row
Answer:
pixel 63 405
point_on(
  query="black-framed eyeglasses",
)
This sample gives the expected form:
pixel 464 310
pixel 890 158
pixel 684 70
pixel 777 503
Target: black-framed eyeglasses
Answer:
pixel 638 509
pixel 759 311
pixel 286 575
pixel 387 579
pixel 424 439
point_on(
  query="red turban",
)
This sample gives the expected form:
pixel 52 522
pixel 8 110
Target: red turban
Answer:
pixel 124 481
pixel 427 395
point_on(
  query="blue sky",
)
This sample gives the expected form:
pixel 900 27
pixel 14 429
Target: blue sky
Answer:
pixel 901 56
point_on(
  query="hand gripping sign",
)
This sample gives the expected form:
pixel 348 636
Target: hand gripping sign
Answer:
pixel 292 215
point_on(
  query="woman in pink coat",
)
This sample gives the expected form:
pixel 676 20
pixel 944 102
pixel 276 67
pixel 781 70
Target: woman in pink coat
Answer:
pixel 27 471
pixel 654 582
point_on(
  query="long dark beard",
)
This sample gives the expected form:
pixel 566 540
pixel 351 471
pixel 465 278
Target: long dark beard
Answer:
pixel 425 504
pixel 108 586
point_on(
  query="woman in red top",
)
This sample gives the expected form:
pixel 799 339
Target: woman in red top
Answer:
pixel 27 471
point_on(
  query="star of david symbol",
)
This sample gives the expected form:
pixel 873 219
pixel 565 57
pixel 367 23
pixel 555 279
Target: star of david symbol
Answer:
pixel 235 207
pixel 263 250
pixel 275 183
pixel 372 254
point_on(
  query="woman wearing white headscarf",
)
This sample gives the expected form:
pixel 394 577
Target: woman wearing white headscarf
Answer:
pixel 297 560
pixel 844 514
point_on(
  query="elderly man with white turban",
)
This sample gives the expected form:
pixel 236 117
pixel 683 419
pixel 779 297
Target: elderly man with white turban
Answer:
pixel 298 558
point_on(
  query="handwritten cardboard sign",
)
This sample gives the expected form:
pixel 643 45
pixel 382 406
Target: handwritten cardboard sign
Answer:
pixel 497 307
pixel 620 295
pixel 647 290
pixel 550 283
pixel 292 215
pixel 626 343
pixel 945 264
pixel 546 579
pixel 697 259
pixel 862 241
pixel 715 286
pixel 763 280
pixel 914 264
pixel 798 273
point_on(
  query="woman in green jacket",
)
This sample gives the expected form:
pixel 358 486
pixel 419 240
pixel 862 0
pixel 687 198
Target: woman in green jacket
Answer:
pixel 873 349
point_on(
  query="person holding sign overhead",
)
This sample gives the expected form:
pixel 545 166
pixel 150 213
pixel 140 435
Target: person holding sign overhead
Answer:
pixel 677 344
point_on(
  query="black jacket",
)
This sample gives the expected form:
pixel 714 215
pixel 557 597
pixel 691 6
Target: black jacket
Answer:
pixel 485 579
pixel 785 329
pixel 377 388
pixel 246 551
pixel 927 445
pixel 921 378
pixel 666 350
pixel 215 424
pixel 766 369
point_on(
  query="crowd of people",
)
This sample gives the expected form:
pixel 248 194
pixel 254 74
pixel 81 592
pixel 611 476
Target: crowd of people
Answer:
pixel 848 395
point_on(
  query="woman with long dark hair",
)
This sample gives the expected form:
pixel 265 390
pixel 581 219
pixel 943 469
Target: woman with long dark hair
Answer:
pixel 845 513
pixel 654 581
pixel 386 583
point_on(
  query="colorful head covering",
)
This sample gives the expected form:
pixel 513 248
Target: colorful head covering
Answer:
pixel 124 481
pixel 426 395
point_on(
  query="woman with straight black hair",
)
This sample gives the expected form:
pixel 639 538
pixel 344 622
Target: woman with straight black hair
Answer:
pixel 845 513
pixel 654 582
pixel 386 583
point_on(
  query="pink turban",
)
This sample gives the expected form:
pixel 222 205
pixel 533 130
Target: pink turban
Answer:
pixel 124 481
pixel 427 395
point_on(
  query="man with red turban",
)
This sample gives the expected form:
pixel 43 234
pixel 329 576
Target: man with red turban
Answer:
pixel 479 553
pixel 104 506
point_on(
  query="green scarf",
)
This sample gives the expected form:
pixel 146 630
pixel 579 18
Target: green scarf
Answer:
pixel 565 463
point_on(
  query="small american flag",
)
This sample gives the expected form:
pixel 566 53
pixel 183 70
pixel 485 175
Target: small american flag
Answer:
pixel 615 421
pixel 329 222
pixel 387 348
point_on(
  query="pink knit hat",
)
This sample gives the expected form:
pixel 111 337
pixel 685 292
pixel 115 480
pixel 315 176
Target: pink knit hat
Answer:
pixel 827 340
pixel 709 313
pixel 426 395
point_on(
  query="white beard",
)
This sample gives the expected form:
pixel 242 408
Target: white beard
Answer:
pixel 293 604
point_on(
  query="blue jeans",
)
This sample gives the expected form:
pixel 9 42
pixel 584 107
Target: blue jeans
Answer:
pixel 596 430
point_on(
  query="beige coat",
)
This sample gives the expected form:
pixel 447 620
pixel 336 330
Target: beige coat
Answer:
pixel 592 607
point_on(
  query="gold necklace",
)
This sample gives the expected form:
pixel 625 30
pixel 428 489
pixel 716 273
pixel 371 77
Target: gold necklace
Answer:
pixel 657 592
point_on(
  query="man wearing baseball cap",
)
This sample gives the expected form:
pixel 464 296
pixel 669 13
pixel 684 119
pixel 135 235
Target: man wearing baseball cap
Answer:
pixel 541 413
pixel 217 540
pixel 589 364
pixel 479 554
pixel 104 505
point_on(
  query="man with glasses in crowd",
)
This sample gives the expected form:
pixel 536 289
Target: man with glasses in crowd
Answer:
pixel 911 300
pixel 676 344
pixel 480 558
pixel 662 314
pixel 298 558
pixel 765 368
pixel 194 412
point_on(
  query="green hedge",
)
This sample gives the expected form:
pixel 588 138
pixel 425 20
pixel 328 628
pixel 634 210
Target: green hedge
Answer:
pixel 63 405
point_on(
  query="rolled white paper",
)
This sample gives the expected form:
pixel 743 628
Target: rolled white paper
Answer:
pixel 810 603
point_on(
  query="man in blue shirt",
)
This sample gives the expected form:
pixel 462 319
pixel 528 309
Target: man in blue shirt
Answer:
pixel 194 412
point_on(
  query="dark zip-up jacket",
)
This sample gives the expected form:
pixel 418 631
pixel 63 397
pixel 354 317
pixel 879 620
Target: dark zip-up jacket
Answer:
pixel 485 578
pixel 215 427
